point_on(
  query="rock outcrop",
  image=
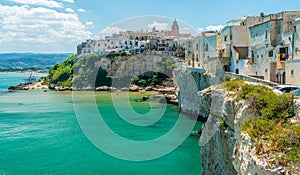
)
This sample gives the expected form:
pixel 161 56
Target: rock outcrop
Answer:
pixel 225 149
pixel 189 84
pixel 31 86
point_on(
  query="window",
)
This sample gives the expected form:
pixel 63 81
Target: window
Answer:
pixel 225 38
pixel 266 34
pixel 206 47
pixel 266 70
pixel 283 50
pixel 270 53
pixel 292 73
pixel 230 37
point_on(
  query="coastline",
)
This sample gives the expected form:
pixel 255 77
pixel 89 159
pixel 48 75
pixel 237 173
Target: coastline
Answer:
pixel 167 94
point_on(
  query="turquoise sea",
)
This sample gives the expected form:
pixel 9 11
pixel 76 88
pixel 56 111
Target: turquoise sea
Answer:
pixel 13 79
pixel 40 134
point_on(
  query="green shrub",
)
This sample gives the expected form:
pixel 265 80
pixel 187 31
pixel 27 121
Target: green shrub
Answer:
pixel 268 125
pixel 234 85
pixel 227 78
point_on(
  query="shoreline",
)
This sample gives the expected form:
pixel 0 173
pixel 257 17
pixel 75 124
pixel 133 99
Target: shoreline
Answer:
pixel 167 94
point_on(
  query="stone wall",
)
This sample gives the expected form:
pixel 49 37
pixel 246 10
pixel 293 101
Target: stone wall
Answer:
pixel 250 79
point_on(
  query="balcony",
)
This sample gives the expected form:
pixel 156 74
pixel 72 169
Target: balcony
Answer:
pixel 282 56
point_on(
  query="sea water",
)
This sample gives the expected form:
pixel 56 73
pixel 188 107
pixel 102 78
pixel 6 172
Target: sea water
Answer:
pixel 13 79
pixel 40 134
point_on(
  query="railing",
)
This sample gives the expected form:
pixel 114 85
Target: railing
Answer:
pixel 250 79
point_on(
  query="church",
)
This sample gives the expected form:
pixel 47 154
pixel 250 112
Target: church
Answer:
pixel 175 30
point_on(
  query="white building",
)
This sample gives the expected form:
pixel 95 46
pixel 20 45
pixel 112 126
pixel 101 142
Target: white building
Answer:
pixel 163 42
pixel 293 64
pixel 235 43
pixel 270 46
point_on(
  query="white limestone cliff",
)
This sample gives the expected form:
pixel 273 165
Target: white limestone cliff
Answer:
pixel 225 149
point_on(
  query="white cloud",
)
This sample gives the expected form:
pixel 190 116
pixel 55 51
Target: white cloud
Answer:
pixel 110 30
pixel 201 29
pixel 28 27
pixel 69 1
pixel 89 23
pixel 69 10
pixel 81 10
pixel 46 3
pixel 158 26
pixel 214 28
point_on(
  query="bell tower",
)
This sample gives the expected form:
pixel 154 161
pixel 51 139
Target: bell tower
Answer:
pixel 175 27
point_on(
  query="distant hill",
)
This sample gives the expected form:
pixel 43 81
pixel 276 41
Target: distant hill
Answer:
pixel 27 60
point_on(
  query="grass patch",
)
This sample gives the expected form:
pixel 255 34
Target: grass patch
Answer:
pixel 234 85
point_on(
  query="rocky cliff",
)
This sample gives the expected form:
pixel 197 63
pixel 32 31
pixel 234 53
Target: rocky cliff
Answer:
pixel 225 149
pixel 189 83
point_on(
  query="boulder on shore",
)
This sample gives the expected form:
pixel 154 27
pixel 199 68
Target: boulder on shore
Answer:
pixel 134 88
pixel 102 88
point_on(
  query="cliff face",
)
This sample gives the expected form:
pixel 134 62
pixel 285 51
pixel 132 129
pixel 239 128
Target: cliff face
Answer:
pixel 245 160
pixel 189 83
pixel 218 138
pixel 224 148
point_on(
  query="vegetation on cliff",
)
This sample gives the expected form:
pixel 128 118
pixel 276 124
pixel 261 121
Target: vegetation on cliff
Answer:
pixel 158 76
pixel 62 74
pixel 89 72
pixel 269 124
pixel 79 69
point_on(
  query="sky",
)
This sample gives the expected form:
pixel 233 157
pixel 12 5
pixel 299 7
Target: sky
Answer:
pixel 57 26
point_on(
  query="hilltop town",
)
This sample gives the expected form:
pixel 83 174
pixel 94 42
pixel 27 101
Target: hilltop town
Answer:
pixel 163 42
pixel 263 46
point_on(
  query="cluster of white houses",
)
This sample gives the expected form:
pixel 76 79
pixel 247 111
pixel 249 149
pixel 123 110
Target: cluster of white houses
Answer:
pixel 168 42
pixel 265 46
